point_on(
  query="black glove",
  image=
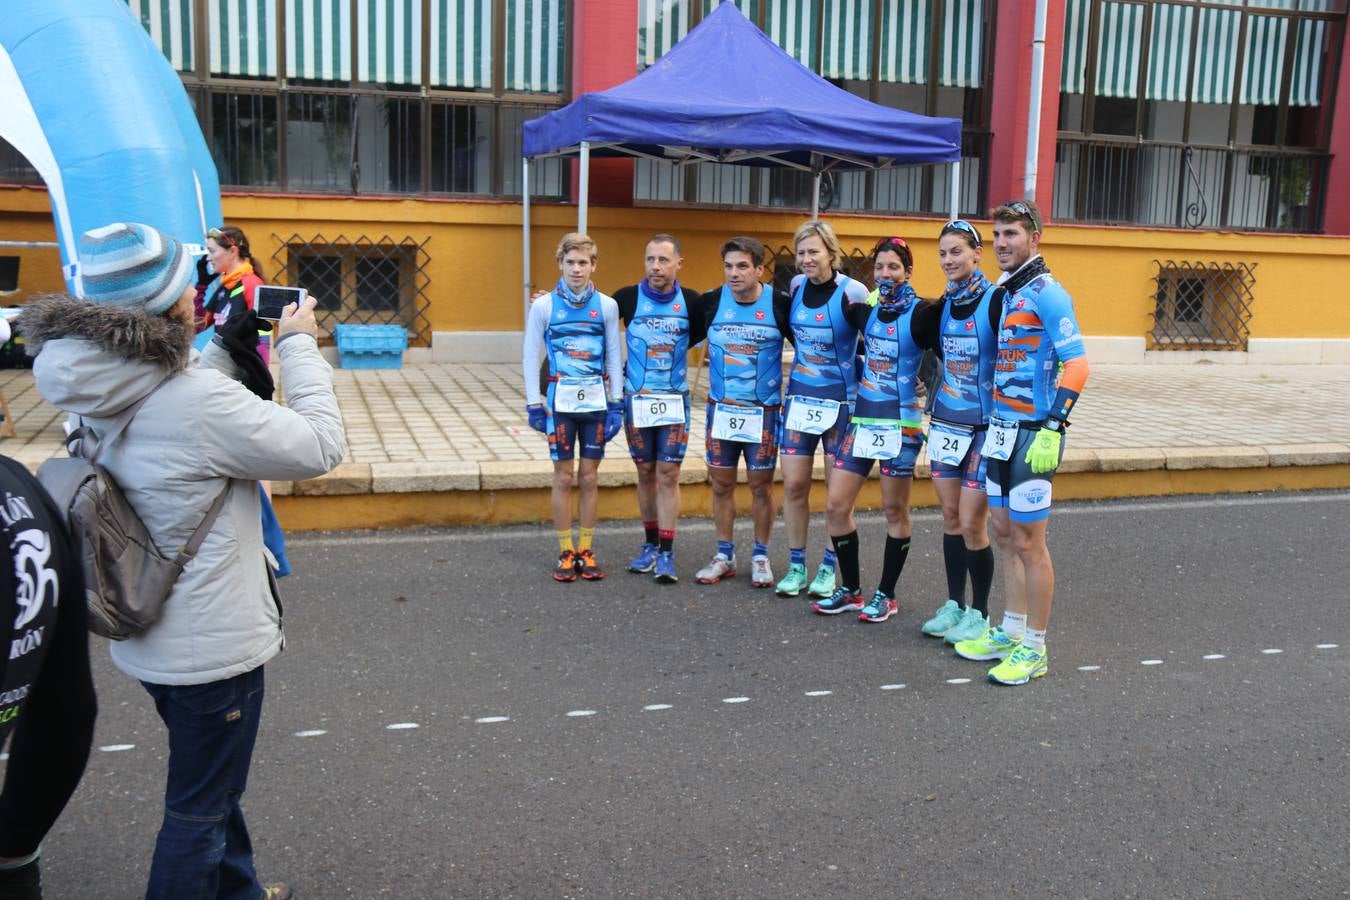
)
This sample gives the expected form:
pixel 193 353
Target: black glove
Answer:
pixel 239 337
pixel 204 275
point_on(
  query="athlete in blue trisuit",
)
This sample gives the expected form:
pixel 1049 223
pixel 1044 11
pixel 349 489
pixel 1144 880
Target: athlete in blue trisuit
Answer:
pixel 578 327
pixel 747 324
pixel 968 331
pixel 664 320
pixel 828 310
pixel 886 426
pixel 1041 369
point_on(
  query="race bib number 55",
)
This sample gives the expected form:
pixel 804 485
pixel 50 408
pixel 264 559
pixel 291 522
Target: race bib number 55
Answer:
pixel 811 415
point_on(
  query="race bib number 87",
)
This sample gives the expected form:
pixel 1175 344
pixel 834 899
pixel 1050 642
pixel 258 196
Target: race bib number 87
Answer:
pixel 738 423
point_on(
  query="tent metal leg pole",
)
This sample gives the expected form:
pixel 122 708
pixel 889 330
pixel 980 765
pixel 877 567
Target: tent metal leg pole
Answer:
pixel 1034 102
pixel 956 189
pixel 584 186
pixel 525 229
pixel 815 197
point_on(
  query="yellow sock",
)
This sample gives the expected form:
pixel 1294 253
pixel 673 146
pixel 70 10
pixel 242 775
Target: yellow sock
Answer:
pixel 564 540
pixel 584 536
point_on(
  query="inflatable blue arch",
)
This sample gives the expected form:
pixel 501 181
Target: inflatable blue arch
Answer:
pixel 97 110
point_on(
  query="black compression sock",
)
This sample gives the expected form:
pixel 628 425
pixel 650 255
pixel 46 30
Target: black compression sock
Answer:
pixel 650 532
pixel 981 565
pixel 897 551
pixel 846 548
pixel 954 555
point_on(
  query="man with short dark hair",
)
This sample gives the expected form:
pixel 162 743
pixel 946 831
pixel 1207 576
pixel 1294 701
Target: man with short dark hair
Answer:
pixel 747 324
pixel 663 320
pixel 1041 370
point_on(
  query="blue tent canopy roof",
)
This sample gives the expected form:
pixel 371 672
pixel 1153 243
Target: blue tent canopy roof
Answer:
pixel 728 93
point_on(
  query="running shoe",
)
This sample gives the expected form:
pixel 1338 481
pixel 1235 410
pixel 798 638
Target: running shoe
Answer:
pixel 971 626
pixel 645 561
pixel 841 601
pixel 879 608
pixel 587 567
pixel 721 567
pixel 794 582
pixel 665 568
pixel 823 585
pixel 993 644
pixel 567 567
pixel 944 620
pixel 1023 665
pixel 761 576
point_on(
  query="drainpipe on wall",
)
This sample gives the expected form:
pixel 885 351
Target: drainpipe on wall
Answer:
pixel 1034 109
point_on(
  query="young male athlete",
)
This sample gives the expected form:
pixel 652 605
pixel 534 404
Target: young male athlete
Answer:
pixel 747 323
pixel 579 328
pixel 664 320
pixel 1040 372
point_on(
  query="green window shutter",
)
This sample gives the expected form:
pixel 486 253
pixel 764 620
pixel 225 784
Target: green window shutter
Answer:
pixel 793 25
pixel 1169 66
pixel 319 39
pixel 661 24
pixel 170 24
pixel 1263 66
pixel 1074 60
pixel 535 38
pixel 962 43
pixel 389 41
pixel 1216 56
pixel 461 43
pixel 1309 53
pixel 1118 48
pixel 243 37
pixel 848 39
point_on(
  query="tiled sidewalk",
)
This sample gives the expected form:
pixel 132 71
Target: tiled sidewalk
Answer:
pixel 474 413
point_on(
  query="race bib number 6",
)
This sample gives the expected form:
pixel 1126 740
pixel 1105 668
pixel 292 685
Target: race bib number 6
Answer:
pixel 655 410
pixel 738 423
pixel 999 441
pixel 579 394
pixel 811 415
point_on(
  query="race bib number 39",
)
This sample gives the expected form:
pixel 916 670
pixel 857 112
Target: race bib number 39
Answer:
pixel 738 423
pixel 811 415
pixel 655 410
pixel 579 395
pixel 999 441
pixel 948 444
pixel 876 441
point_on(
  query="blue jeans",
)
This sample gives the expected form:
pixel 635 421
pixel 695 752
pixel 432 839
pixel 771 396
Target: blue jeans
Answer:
pixel 203 850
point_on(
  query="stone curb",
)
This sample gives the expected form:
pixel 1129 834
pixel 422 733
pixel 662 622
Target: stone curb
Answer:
pixel 507 475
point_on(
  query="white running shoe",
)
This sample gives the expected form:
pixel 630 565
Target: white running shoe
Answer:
pixel 761 576
pixel 721 567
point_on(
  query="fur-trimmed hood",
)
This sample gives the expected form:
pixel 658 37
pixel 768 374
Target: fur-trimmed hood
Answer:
pixel 95 360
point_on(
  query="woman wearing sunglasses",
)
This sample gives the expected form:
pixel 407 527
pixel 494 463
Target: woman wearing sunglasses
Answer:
pixel 238 275
pixel 886 426
pixel 968 330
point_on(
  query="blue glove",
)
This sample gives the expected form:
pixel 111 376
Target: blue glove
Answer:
pixel 538 418
pixel 613 420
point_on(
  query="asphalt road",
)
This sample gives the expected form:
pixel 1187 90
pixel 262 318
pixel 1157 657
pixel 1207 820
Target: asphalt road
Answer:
pixel 584 740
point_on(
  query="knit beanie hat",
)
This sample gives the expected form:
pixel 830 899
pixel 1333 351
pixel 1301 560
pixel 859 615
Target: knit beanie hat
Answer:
pixel 128 264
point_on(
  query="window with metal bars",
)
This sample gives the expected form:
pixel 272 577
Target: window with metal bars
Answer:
pixel 1202 305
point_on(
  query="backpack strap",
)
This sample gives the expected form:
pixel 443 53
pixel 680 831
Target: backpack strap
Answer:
pixel 188 551
pixel 83 442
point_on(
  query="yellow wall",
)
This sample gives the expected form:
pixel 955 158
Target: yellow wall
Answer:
pixel 476 275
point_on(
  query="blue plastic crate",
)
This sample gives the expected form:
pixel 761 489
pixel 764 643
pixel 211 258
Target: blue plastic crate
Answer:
pixel 371 346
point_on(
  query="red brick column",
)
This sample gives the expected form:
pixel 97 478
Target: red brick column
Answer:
pixel 604 53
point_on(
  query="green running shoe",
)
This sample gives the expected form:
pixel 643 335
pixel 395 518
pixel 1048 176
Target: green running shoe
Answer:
pixel 1023 665
pixel 793 582
pixel 993 644
pixel 971 626
pixel 944 620
pixel 823 585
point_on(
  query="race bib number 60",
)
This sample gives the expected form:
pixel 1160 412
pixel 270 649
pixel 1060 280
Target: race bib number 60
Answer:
pixel 655 410
pixel 579 394
pixel 738 423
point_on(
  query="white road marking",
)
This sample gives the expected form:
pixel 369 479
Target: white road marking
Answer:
pixel 113 748
pixel 489 720
pixel 1088 668
pixel 492 535
pixel 958 681
pixel 578 713
pixel 735 699
pixel 819 693
pixel 401 726
pixel 892 687
pixel 1271 651
pixel 1213 656
pixel 653 707
pixel 1150 662
pixel 1327 646
pixel 315 733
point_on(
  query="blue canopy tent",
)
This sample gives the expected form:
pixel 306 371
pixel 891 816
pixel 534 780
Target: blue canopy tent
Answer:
pixel 97 110
pixel 726 93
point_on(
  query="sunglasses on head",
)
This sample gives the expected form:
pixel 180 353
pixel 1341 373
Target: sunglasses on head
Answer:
pixel 890 242
pixel 1022 209
pixel 220 237
pixel 963 225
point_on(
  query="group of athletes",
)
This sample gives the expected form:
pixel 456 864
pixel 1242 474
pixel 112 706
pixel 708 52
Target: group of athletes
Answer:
pixel 1012 365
